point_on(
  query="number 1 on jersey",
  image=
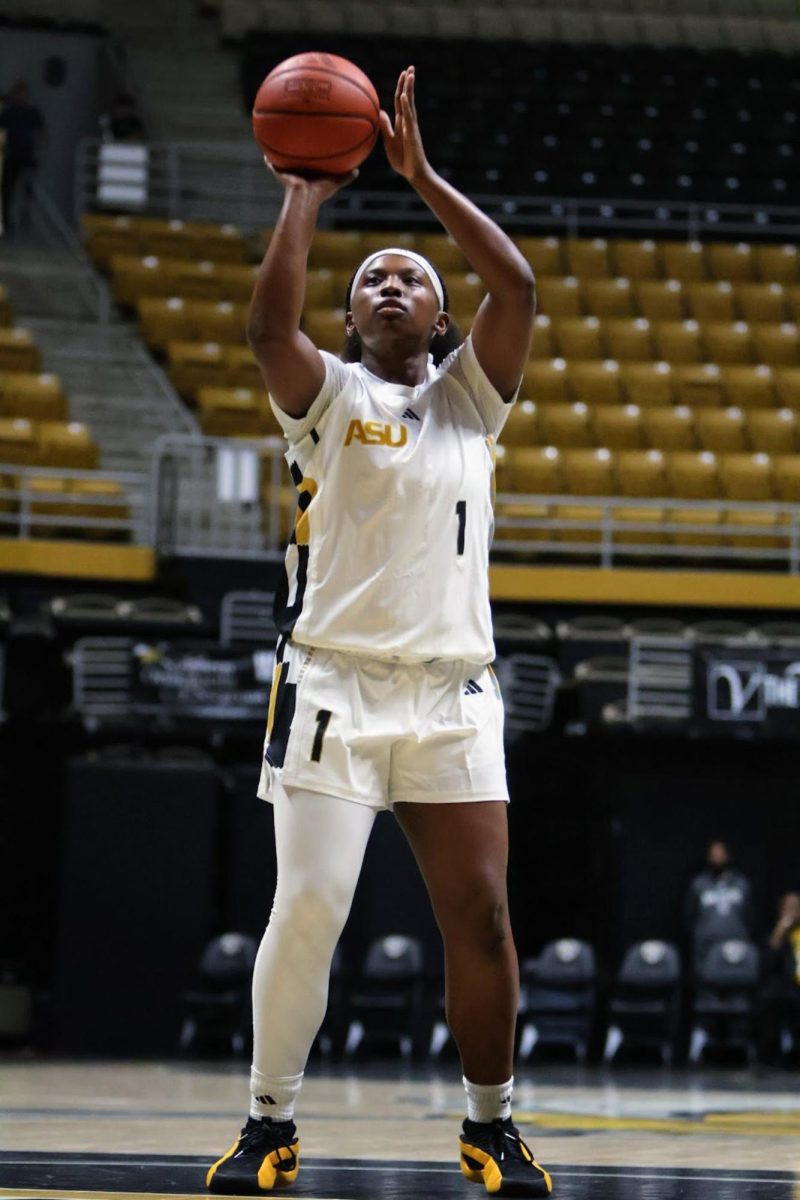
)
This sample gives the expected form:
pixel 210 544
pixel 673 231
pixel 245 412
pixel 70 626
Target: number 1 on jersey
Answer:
pixel 461 513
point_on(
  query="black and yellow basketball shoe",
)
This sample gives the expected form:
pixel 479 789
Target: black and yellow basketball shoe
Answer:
pixel 265 1155
pixel 495 1155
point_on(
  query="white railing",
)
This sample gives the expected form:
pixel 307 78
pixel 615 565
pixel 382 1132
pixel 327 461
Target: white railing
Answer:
pixel 44 502
pixel 603 534
pixel 227 181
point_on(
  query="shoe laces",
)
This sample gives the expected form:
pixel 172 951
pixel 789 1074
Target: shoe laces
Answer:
pixel 262 1133
pixel 508 1142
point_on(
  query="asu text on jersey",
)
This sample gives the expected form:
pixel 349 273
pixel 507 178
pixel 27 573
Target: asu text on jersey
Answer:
pixel 390 551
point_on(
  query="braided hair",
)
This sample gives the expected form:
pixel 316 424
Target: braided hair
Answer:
pixel 442 344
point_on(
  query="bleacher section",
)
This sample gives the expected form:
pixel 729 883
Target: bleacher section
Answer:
pixel 573 120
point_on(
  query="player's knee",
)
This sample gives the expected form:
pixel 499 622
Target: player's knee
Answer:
pixel 483 919
pixel 309 921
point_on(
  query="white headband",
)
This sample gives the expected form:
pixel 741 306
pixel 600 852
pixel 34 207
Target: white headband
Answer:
pixel 421 262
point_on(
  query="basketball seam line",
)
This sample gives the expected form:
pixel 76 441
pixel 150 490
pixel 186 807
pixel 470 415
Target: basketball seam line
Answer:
pixel 336 75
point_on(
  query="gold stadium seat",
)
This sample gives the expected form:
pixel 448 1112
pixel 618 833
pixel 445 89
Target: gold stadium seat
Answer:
pixel 684 260
pixel 522 426
pixel 543 254
pixel 241 368
pixel 786 472
pixel 18 351
pixel 106 236
pixel 693 475
pixel 236 280
pixel 762 529
pixel 764 302
pixel 220 243
pixel 787 386
pixel 321 291
pixel 792 295
pixel 134 277
pixel 559 297
pixel 193 365
pixel 647 384
pixel 98 498
pixel 669 427
pixel 546 381
pixel 595 382
pixel 660 299
pixel 442 251
pixel 49 497
pixel 629 339
pixel 222 321
pixel 747 476
pixel 701 526
pixel 336 248
pixel 236 412
pixel 727 342
pixel 533 471
pixel 543 344
pixel 722 430
pixel 194 280
pixel 372 240
pixel 699 386
pixel 564 425
pixel 66 444
pixel 589 472
pixel 650 518
pixel 635 259
pixel 642 474
pixel 727 261
pixel 6 311
pixel 778 345
pixel 711 301
pixel 37 397
pixel 579 338
pixel 777 264
pixel 165 321
pixel 18 443
pixel 749 386
pixel 527 511
pixel 165 238
pixel 465 292
pixel 678 341
pixel 618 426
pixel 773 431
pixel 587 258
pixel 325 327
pixel 584 522
pixel 608 297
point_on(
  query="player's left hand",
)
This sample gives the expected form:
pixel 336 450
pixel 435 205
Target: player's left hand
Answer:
pixel 403 141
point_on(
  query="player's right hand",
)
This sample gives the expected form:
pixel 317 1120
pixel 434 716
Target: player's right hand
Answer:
pixel 322 187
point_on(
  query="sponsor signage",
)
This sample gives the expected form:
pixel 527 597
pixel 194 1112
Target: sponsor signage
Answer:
pixel 205 681
pixel 755 690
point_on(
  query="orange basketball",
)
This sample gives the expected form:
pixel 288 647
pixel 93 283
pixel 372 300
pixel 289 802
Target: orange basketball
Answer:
pixel 316 112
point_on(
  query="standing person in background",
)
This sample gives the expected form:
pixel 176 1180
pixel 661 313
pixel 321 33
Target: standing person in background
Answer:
pixel 383 695
pixel 780 993
pixel 718 904
pixel 22 126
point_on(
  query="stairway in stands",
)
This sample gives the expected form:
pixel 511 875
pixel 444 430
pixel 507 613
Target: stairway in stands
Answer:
pixel 111 382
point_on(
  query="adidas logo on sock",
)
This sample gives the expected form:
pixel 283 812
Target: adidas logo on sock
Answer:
pixel 265 1099
pixel 410 415
pixel 472 688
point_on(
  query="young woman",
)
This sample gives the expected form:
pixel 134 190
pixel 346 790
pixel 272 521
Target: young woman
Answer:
pixel 383 694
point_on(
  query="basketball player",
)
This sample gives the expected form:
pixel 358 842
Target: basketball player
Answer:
pixel 383 693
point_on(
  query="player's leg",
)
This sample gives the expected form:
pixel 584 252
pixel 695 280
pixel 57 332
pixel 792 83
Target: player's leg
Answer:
pixel 462 852
pixel 320 842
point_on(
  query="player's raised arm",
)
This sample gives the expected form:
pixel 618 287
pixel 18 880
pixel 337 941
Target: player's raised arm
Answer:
pixel 501 333
pixel 292 367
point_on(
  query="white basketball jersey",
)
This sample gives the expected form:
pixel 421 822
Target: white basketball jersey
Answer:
pixel 390 551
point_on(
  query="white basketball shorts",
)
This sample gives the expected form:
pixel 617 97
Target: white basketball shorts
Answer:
pixel 378 732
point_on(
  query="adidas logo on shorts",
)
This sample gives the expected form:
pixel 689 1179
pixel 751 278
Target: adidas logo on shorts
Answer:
pixel 472 688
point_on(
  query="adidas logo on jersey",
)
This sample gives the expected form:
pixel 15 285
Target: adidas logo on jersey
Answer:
pixel 472 688
pixel 376 433
pixel 410 415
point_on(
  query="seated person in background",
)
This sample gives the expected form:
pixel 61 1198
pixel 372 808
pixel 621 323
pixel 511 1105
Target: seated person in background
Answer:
pixel 780 994
pixel 718 904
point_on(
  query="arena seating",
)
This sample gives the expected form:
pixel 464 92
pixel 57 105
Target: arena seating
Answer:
pixel 644 123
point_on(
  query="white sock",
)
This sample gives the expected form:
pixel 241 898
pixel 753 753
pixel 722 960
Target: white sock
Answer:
pixel 273 1095
pixel 488 1102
